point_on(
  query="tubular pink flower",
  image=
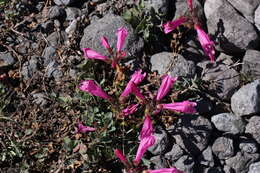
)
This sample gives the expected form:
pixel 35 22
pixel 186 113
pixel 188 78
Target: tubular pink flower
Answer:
pixel 171 25
pixel 165 170
pixel 130 109
pixel 105 43
pixel 119 154
pixel 147 128
pixel 137 77
pixel 83 129
pixel 206 43
pixel 91 54
pixel 91 87
pixel 189 2
pixel 184 107
pixel 131 88
pixel 121 35
pixel 145 143
pixel 165 87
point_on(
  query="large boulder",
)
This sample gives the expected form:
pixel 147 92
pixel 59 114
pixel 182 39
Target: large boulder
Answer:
pixel 107 26
pixel 235 33
pixel 251 64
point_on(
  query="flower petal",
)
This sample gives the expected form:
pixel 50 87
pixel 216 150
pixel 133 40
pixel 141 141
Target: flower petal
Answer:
pixel 184 107
pixel 83 129
pixel 130 109
pixel 91 54
pixel 147 128
pixel 121 156
pixel 138 77
pixel 91 87
pixel 165 170
pixel 105 43
pixel 171 25
pixel 121 36
pixel 165 87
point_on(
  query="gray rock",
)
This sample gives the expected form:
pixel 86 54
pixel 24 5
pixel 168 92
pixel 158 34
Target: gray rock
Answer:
pixel 228 122
pixel 63 2
pixel 6 59
pixel 30 67
pixel 240 163
pixel 175 153
pixel 213 170
pixel 253 128
pixel 56 39
pixel 72 13
pixel 181 8
pixel 251 64
pixel 40 99
pixel 192 133
pixel 160 6
pixel 206 158
pixel 56 12
pixel 223 148
pixel 223 80
pixel 246 100
pixel 247 8
pixel 248 145
pixel 107 26
pixel 225 59
pixel 185 164
pixel 228 169
pixel 72 27
pixel 159 162
pixel 49 54
pixel 53 71
pixel 257 18
pixel 162 142
pixel 177 66
pixel 226 23
pixel 254 167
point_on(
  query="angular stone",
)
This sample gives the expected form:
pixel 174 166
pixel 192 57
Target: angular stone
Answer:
pixel 107 26
pixel 6 59
pixel 177 66
pixel 257 18
pixel 240 162
pixel 254 167
pixel 192 133
pixel 185 164
pixel 223 148
pixel 206 158
pixel 162 142
pixel 228 122
pixel 251 64
pixel 56 39
pixel 222 80
pixel 246 100
pixel 181 8
pixel 30 67
pixel 248 145
pixel 159 162
pixel 247 8
pixel 53 71
pixel 175 153
pixel 56 12
pixel 72 13
pixel 63 2
pixel 49 54
pixel 235 33
pixel 160 6
pixel 253 128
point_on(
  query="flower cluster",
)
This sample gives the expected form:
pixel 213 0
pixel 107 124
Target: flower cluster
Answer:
pixel 205 42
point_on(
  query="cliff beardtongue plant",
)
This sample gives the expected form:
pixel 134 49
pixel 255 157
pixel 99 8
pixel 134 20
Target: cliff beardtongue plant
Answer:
pixel 91 87
pixel 164 170
pixel 165 87
pixel 119 154
pixel 206 43
pixel 171 25
pixel 121 36
pixel 91 54
pixel 130 109
pixel 184 107
pixel 83 129
pixel 147 129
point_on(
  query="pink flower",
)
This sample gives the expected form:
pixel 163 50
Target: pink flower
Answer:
pixel 91 87
pixel 105 43
pixel 147 128
pixel 184 107
pixel 91 54
pixel 189 2
pixel 137 77
pixel 165 87
pixel 145 143
pixel 165 170
pixel 131 88
pixel 206 43
pixel 121 156
pixel 121 35
pixel 83 129
pixel 130 109
pixel 171 25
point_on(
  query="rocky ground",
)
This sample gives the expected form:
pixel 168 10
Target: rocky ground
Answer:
pixel 41 65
